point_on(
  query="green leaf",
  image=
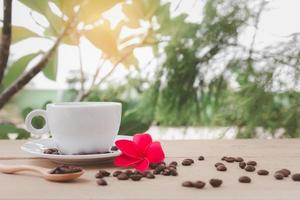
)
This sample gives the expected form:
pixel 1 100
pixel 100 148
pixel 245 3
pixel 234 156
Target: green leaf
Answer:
pixel 17 68
pixel 39 6
pixel 104 38
pixel 50 71
pixel 20 33
pixel 5 129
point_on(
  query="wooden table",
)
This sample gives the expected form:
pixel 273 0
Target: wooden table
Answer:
pixel 270 154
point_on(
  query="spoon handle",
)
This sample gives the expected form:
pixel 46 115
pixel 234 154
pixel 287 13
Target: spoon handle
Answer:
pixel 11 169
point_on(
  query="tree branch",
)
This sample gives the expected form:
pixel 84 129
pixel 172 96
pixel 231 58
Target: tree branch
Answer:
pixel 6 37
pixel 9 92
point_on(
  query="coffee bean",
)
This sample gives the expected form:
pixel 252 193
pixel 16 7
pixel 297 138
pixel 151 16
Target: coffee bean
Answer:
pixel 251 162
pixel 166 172
pixel 159 169
pixel 101 181
pixel 54 151
pixel 104 172
pixel 186 162
pixel 201 158
pixel 114 148
pixel 262 172
pixel 123 176
pixel 136 177
pixel 150 176
pixel 173 163
pixel 244 179
pixel 144 174
pixel 99 175
pixel 218 163
pixel 187 184
pixel 65 169
pixel 230 159
pixel 215 182
pixel 239 159
pixel 285 172
pixel 162 163
pixel 199 184
pixel 137 172
pixel 191 160
pixel 128 172
pixel 242 165
pixel 278 176
pixel 221 168
pixel 116 173
pixel 296 177
pixel 173 173
pixel 250 168
pixel 153 165
pixel 224 158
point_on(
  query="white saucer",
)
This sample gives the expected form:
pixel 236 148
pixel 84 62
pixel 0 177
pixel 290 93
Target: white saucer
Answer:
pixel 37 147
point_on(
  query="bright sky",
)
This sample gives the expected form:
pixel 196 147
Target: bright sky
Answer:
pixel 281 19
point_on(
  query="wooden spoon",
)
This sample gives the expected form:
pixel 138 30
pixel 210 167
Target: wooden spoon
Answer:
pixel 11 169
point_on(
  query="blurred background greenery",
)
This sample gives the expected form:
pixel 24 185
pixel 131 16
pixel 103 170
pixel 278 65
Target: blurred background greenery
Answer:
pixel 203 75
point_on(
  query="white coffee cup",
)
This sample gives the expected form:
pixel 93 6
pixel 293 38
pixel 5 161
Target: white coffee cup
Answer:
pixel 79 127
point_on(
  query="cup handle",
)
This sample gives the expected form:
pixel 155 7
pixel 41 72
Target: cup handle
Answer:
pixel 29 118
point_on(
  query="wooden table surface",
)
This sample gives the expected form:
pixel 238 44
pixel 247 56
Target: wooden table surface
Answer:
pixel 270 154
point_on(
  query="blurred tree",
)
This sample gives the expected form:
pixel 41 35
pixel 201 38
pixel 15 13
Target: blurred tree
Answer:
pixel 73 20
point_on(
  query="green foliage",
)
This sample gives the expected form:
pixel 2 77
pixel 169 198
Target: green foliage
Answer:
pixel 5 129
pixel 17 68
pixel 50 71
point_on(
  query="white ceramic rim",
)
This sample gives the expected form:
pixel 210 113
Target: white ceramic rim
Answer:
pixel 84 104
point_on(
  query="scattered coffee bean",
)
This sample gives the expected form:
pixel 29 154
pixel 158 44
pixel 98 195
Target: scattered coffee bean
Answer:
pixel 104 172
pixel 191 160
pixel 250 168
pixel 128 172
pixel 162 163
pixel 116 173
pixel 278 176
pixel 230 159
pixel 244 179
pixel 215 182
pixel 296 177
pixel 65 169
pixel 262 172
pixel 224 158
pixel 285 172
pixel 114 148
pixel 239 159
pixel 137 172
pixel 199 184
pixel 218 163
pixel 99 175
pixel 173 163
pixel 188 184
pixel 150 176
pixel 54 151
pixel 136 177
pixel 251 162
pixel 166 172
pixel 187 162
pixel 173 172
pixel 221 168
pixel 201 158
pixel 101 181
pixel 242 165
pixel 153 165
pixel 123 176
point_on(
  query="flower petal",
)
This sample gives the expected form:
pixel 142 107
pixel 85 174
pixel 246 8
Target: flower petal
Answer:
pixel 125 161
pixel 155 153
pixel 129 148
pixel 142 165
pixel 142 141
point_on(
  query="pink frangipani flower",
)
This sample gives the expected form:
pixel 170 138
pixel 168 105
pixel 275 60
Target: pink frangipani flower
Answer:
pixel 139 153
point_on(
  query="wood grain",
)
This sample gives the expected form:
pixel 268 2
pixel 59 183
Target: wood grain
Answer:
pixel 270 154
